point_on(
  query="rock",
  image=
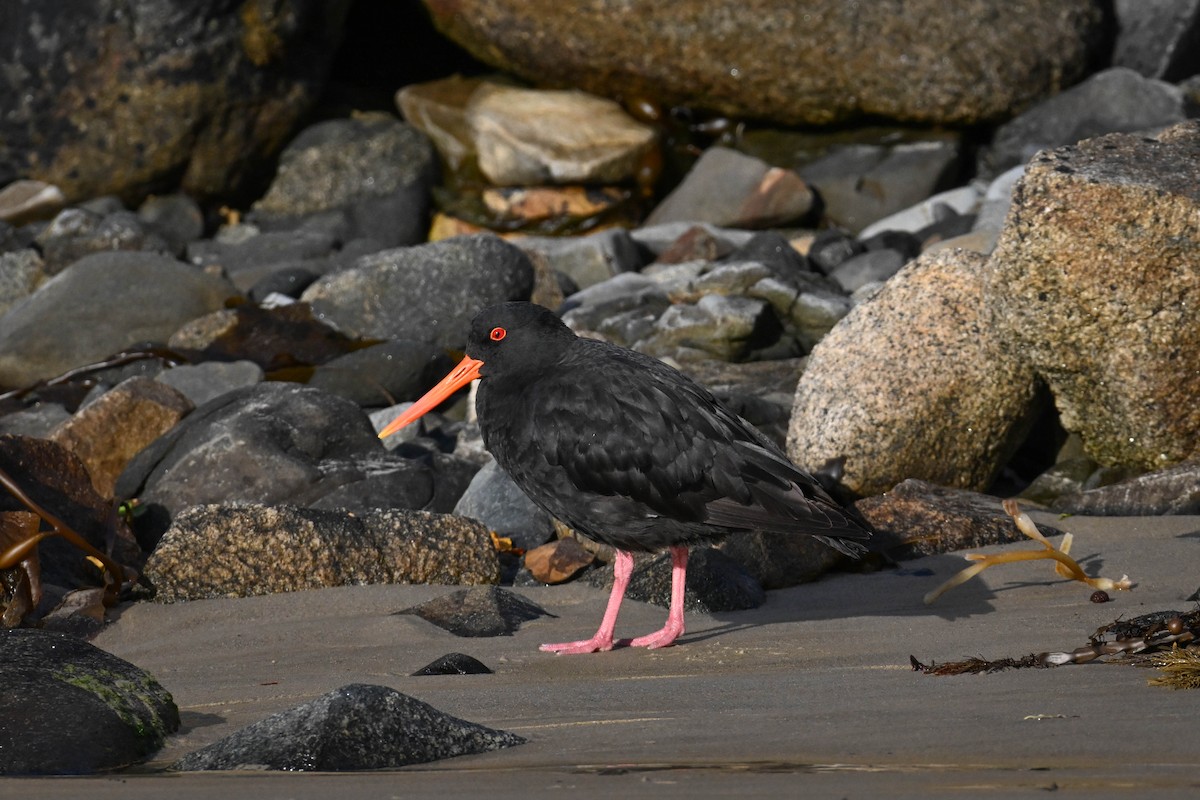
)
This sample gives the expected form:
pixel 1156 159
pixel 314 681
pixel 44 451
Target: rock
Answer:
pixel 177 218
pixel 1158 38
pixel 287 281
pixel 274 338
pixel 69 708
pixel 120 299
pixel 497 502
pixel 356 727
pixel 250 260
pixel 788 63
pixel 872 266
pixel 200 383
pixel 962 200
pixel 914 384
pixel 479 612
pixel 109 431
pixel 133 100
pixel 660 240
pixel 861 184
pixel 716 326
pixel 997 200
pixel 586 260
pixel 373 169
pixel 778 561
pixel 773 251
pixel 439 110
pixel 255 549
pixel 1117 100
pixel 831 247
pixel 731 189
pixel 1175 490
pixel 439 288
pixel 378 375
pixel 36 421
pixel 25 201
pixel 454 664
pixel 715 582
pixel 412 478
pixel 21 272
pixel 525 136
pixel 267 443
pixel 557 561
pixel 918 519
pixel 1093 285
pixel 77 232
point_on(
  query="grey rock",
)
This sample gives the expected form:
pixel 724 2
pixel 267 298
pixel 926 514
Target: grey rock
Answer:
pixel 21 272
pixel 431 481
pixel 374 169
pixel 356 727
pixel 37 420
pixel 831 247
pixel 289 281
pixel 249 260
pixel 869 267
pixel 156 294
pixel 211 379
pixel 75 233
pixel 255 549
pixel 1175 490
pixel 1117 100
pixel 773 251
pixel 659 238
pixel 619 307
pixel 497 502
pixel 861 184
pixel 715 326
pixel 380 374
pixel 587 260
pixel 177 218
pixel 1092 285
pixel 480 612
pixel 1158 38
pixel 69 708
pixel 728 188
pixel 715 582
pixel 997 199
pixel 267 443
pixel 960 200
pixel 426 293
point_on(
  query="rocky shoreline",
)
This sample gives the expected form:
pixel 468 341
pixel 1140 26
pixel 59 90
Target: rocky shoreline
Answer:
pixel 930 319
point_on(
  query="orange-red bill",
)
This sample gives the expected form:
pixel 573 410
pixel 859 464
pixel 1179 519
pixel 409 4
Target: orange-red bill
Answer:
pixel 466 371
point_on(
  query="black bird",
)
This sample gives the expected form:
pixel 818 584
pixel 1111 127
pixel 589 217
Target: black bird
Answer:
pixel 628 451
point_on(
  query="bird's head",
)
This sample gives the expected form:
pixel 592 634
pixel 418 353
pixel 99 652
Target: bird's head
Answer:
pixel 510 339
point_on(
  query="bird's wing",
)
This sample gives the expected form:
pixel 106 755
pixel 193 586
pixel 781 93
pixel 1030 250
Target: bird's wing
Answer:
pixel 665 442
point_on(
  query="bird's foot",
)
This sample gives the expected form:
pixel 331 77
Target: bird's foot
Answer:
pixel 661 638
pixel 596 644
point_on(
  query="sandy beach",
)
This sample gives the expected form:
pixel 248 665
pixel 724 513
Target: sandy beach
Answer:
pixel 811 692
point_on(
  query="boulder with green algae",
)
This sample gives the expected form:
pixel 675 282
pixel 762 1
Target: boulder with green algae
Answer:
pixel 69 708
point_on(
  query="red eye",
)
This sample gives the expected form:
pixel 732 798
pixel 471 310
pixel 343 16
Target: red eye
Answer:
pixel 497 334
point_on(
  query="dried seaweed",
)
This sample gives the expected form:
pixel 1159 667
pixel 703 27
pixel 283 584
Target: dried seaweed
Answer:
pixel 1067 567
pixel 1159 633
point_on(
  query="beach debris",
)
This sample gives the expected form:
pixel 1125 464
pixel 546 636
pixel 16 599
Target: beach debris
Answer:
pixel 1156 639
pixel 1067 567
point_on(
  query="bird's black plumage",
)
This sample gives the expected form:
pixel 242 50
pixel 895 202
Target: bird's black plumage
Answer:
pixel 629 451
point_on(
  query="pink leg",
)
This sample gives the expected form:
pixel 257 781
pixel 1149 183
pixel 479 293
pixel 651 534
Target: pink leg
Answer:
pixel 603 640
pixel 674 627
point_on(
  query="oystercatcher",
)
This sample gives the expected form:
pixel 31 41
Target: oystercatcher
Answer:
pixel 627 451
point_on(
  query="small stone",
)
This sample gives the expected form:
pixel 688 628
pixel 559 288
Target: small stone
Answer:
pixel 24 201
pixel 211 379
pixel 1099 596
pixel 557 561
pixel 498 503
pixel 478 612
pixel 454 664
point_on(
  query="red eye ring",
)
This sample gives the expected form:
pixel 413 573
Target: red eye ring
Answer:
pixel 497 334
